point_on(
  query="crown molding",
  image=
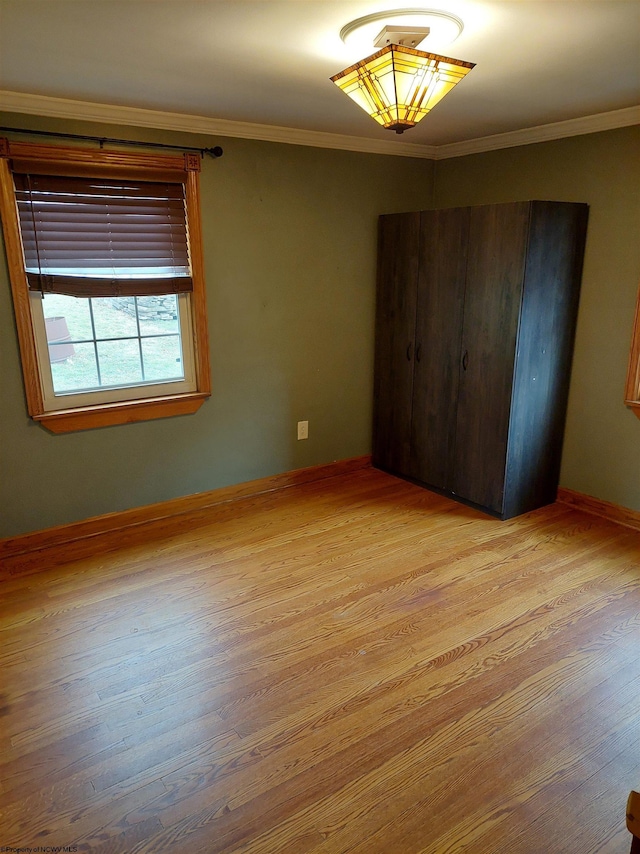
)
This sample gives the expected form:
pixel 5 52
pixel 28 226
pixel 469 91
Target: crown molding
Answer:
pixel 63 108
pixel 541 133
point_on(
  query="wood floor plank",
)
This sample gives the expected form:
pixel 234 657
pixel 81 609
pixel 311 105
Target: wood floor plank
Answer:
pixel 615 763
pixel 353 665
pixel 495 738
pixel 398 780
pixel 330 771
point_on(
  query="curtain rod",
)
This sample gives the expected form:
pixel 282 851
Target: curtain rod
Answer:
pixel 212 152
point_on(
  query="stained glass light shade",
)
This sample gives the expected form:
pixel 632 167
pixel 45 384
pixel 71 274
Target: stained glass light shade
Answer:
pixel 398 85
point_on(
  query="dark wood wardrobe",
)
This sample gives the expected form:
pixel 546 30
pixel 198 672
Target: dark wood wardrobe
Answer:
pixel 475 322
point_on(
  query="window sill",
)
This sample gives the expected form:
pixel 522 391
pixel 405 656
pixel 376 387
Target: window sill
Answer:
pixel 123 412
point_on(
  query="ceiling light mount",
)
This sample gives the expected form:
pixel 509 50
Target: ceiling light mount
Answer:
pixel 444 28
pixel 394 34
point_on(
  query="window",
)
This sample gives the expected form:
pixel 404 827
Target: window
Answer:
pixel 632 393
pixel 105 260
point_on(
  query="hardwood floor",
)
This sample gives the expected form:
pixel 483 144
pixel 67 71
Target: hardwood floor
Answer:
pixel 353 665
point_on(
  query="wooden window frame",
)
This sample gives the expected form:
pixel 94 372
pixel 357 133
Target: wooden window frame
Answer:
pixel 80 161
pixel 632 392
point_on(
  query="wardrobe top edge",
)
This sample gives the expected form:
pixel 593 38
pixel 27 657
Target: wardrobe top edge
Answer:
pixel 493 205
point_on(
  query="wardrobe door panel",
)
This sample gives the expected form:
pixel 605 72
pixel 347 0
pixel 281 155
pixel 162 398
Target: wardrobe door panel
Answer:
pixel 443 258
pixel 495 270
pixel 398 246
pixel 545 346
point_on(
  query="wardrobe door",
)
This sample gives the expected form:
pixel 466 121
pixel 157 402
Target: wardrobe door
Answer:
pixel 443 260
pixel 557 235
pixel 495 271
pixel 398 246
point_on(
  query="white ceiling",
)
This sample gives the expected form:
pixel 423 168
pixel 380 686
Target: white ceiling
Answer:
pixel 258 61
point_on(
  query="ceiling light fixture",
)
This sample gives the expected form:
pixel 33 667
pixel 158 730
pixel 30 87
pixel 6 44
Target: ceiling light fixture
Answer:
pixel 398 85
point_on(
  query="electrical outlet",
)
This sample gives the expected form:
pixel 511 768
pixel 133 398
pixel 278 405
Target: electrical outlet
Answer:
pixel 303 429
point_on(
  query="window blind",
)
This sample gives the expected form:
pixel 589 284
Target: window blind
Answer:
pixel 103 237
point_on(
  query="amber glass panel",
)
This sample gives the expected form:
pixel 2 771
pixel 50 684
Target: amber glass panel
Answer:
pixel 398 86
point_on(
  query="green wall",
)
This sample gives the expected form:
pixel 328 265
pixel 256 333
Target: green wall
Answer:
pixel 289 235
pixel 290 247
pixel 601 455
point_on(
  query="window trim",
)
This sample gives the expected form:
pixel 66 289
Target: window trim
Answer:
pixel 632 391
pixel 80 161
